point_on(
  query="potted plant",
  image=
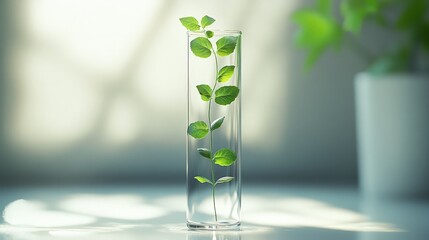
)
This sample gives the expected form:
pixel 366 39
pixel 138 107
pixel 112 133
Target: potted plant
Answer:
pixel 392 94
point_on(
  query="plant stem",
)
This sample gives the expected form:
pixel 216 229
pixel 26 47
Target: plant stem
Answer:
pixel 212 162
pixel 211 142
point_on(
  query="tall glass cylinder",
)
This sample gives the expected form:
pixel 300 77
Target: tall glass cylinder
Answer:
pixel 213 155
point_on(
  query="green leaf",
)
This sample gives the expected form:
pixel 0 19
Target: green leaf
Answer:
pixel 226 95
pixel 316 32
pixel 225 157
pixel 356 11
pixel 225 73
pixel 205 91
pixel 217 123
pixel 205 152
pixel 198 129
pixel 226 45
pixel 413 15
pixel 224 180
pixel 201 47
pixel 324 6
pixel 203 180
pixel 209 34
pixel 206 21
pixel 190 23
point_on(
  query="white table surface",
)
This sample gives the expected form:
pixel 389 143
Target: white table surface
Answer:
pixel 158 212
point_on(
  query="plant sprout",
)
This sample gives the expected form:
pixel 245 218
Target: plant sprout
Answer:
pixel 222 95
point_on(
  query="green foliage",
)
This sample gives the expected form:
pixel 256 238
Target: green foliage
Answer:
pixel 201 47
pixel 205 152
pixel 320 28
pixel 203 180
pixel 209 34
pixel 224 180
pixel 207 21
pixel 217 123
pixel 226 45
pixel 224 157
pixel 225 73
pixel 317 32
pixel 190 23
pixel 356 11
pixel 205 92
pixel 198 129
pixel 226 95
pixel 412 15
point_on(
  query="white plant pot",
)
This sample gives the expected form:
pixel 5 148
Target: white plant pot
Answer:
pixel 392 113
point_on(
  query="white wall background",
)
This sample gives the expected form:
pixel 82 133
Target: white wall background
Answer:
pixel 96 91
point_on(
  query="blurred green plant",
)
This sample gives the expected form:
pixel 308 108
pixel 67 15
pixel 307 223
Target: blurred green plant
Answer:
pixel 321 28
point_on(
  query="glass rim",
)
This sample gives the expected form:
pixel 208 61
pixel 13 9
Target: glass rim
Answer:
pixel 215 31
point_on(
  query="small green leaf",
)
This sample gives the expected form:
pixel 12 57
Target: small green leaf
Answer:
pixel 207 21
pixel 316 32
pixel 209 34
pixel 224 180
pixel 226 95
pixel 205 91
pixel 190 23
pixel 198 129
pixel 205 152
pixel 225 73
pixel 355 12
pixel 225 157
pixel 203 180
pixel 201 47
pixel 226 45
pixel 217 123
